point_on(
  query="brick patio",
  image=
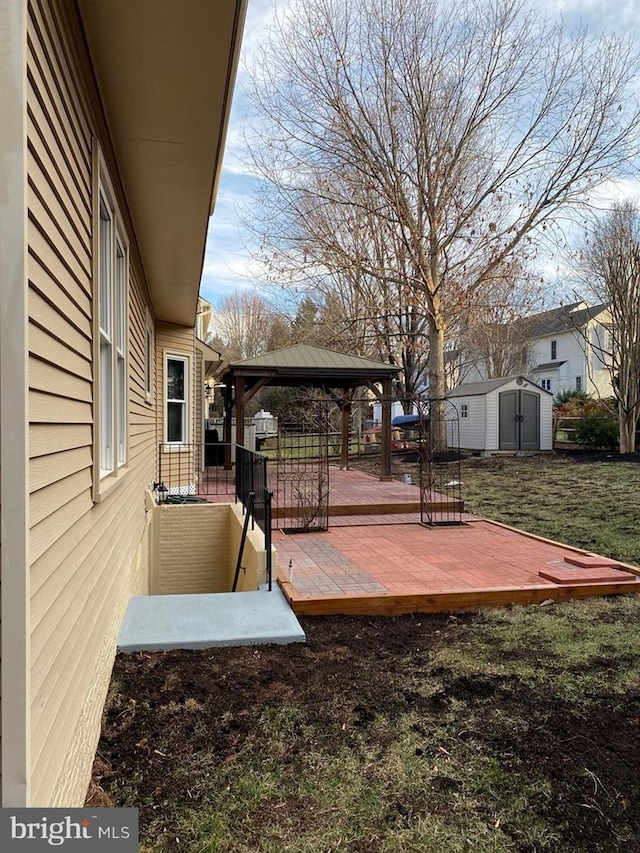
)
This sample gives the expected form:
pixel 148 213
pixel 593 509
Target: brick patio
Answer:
pixel 390 563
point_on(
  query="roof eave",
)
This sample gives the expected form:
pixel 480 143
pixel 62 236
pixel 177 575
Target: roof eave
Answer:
pixel 166 73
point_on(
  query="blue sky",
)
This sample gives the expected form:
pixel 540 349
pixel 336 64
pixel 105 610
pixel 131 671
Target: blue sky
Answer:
pixel 229 265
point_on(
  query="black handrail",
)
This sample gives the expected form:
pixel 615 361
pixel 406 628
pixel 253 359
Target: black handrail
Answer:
pixel 268 498
pixel 251 474
pixel 256 498
pixel 249 513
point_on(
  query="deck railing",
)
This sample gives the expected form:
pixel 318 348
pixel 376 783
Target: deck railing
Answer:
pixel 250 474
pixel 255 495
pixel 187 470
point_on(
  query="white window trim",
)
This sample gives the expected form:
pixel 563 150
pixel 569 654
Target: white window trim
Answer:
pixel 188 367
pixel 111 338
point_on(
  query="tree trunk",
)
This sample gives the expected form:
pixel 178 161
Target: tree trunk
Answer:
pixel 628 425
pixel 437 419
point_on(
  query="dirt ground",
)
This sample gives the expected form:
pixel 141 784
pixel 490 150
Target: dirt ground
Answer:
pixel 205 707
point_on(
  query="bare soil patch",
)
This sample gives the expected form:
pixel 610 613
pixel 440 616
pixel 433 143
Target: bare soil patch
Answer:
pixel 443 732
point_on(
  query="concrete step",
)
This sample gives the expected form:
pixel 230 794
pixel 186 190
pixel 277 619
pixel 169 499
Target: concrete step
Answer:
pixel 165 622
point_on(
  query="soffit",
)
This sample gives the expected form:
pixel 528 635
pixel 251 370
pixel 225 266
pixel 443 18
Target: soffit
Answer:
pixel 165 71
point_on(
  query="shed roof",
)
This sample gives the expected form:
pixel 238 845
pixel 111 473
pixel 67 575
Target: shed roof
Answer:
pixel 473 389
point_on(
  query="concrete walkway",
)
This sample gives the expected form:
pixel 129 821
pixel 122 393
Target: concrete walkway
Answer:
pixel 164 622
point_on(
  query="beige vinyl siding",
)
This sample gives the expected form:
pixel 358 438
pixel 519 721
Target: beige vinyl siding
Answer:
pixel 86 557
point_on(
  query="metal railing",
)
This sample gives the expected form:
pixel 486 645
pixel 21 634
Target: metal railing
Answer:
pixel 251 474
pixel 257 512
pixel 256 498
pixel 192 470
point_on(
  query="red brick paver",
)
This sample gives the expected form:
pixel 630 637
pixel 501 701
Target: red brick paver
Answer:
pixel 410 559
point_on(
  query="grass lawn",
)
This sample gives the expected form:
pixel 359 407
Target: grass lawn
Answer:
pixel 591 505
pixel 505 730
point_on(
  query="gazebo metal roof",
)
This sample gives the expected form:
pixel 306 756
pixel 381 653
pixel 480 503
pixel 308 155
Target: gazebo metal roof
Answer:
pixel 313 367
pixel 305 364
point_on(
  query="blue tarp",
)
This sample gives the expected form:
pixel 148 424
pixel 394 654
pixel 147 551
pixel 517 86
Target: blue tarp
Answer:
pixel 408 421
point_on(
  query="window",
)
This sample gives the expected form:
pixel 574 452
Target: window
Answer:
pixel 554 350
pixel 113 273
pixel 546 384
pixel 578 383
pixel 464 410
pixel 176 399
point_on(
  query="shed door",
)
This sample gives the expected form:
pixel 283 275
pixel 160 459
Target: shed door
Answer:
pixel 508 419
pixel 519 414
pixel 529 420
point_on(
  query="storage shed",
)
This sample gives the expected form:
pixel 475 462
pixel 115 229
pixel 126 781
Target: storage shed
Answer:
pixel 510 413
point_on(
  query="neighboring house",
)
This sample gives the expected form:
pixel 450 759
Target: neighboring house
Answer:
pixel 558 349
pixel 114 115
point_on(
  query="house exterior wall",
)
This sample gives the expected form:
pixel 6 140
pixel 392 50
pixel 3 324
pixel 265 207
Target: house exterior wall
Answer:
pixel 191 549
pixel 177 467
pixel 14 616
pixel 87 556
pixel 570 349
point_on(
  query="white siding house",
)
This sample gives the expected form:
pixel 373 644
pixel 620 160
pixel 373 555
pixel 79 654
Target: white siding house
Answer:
pixel 561 350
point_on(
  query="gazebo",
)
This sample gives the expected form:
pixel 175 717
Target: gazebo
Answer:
pixel 304 365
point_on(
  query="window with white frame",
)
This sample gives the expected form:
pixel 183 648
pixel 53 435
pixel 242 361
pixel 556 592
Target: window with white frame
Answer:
pixel 464 410
pixel 546 384
pixel 176 420
pixel 578 383
pixel 113 309
pixel 554 350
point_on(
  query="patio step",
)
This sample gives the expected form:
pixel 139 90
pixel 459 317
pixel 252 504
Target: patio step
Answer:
pixel 399 508
pixel 603 573
pixel 165 622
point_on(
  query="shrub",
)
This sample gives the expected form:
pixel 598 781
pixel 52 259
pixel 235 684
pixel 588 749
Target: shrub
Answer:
pixel 598 430
pixel 572 396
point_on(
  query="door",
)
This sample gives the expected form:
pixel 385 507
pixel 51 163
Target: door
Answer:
pixel 519 420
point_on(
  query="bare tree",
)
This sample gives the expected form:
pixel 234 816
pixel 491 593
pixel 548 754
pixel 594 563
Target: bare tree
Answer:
pixel 458 131
pixel 497 334
pixel 246 325
pixel 611 272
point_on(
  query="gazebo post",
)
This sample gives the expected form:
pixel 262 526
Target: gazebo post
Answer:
pixel 228 406
pixel 240 403
pixel 345 408
pixel 385 450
